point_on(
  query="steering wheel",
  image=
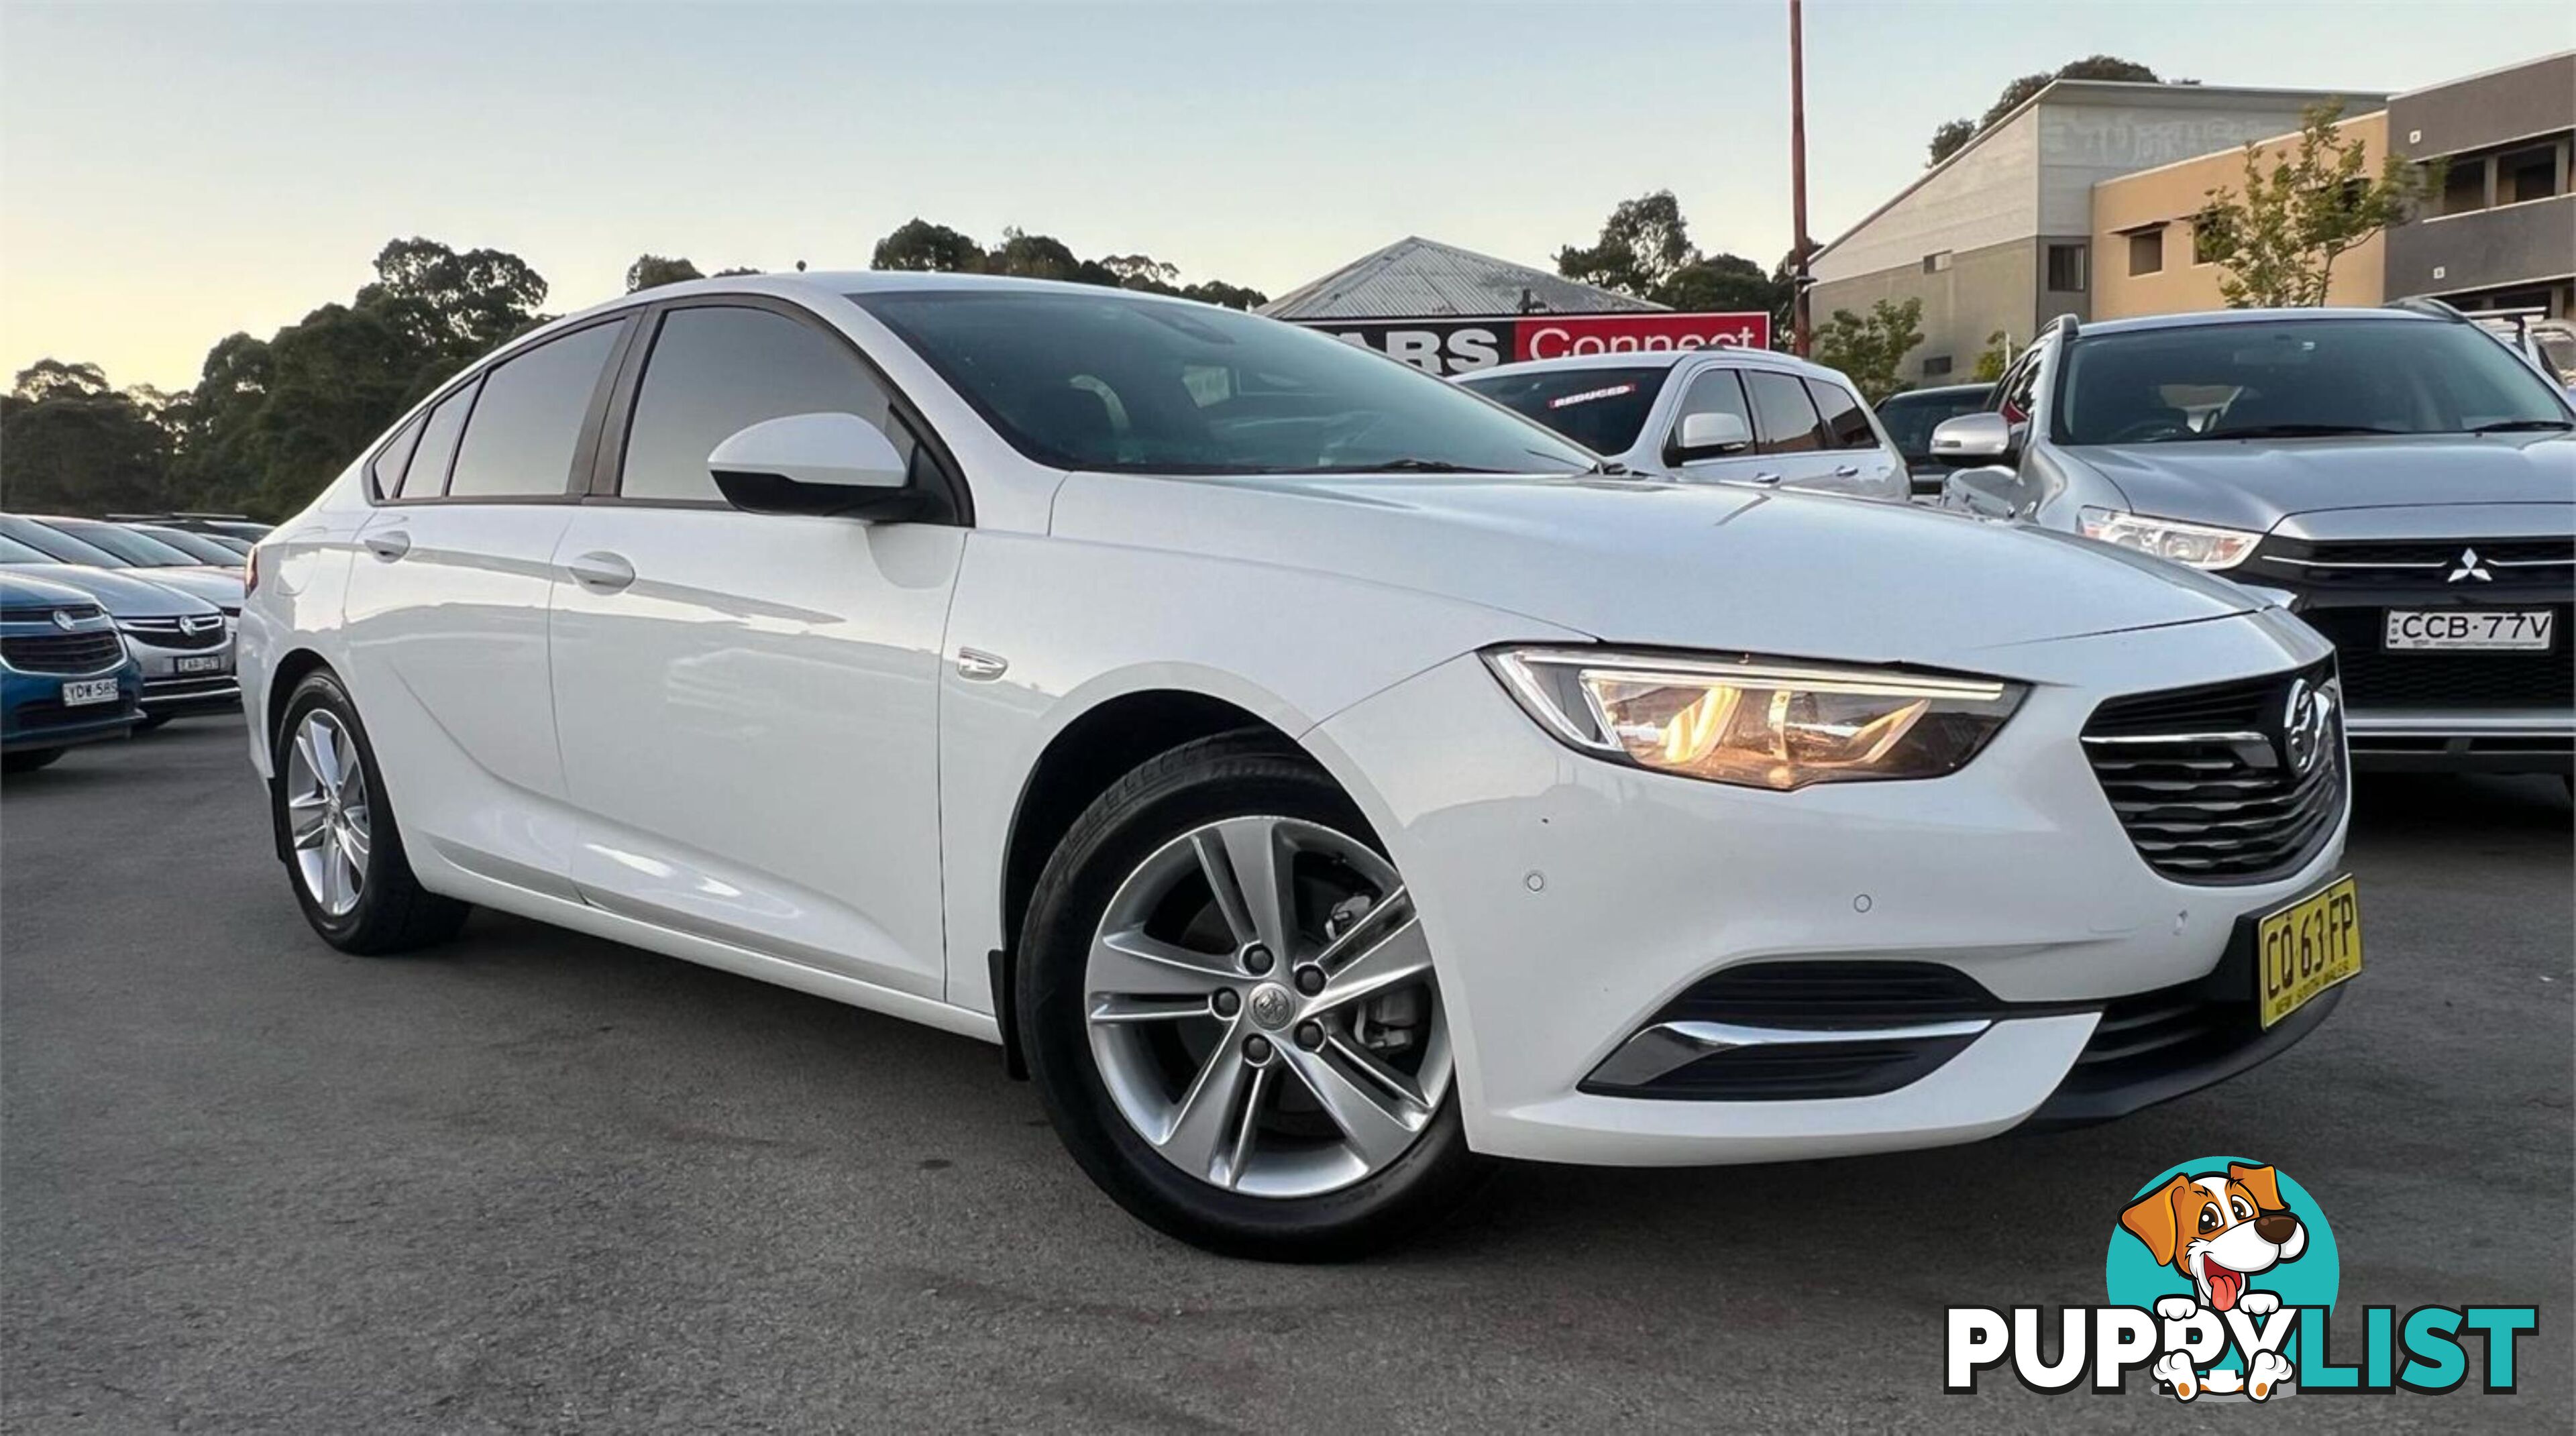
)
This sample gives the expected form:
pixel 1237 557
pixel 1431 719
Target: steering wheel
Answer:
pixel 2148 430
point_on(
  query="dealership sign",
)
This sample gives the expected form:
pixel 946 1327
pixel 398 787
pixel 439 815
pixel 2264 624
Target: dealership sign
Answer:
pixel 1450 345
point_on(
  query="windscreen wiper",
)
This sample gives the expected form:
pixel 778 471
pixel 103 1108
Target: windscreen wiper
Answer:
pixel 2295 431
pixel 2520 426
pixel 1403 466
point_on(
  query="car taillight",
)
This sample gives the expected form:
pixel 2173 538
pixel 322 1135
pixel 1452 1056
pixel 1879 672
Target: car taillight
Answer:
pixel 250 572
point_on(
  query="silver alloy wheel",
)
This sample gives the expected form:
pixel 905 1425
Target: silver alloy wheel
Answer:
pixel 1262 1008
pixel 327 813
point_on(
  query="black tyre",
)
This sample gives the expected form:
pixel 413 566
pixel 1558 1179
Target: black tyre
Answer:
pixel 336 831
pixel 1229 1011
pixel 28 760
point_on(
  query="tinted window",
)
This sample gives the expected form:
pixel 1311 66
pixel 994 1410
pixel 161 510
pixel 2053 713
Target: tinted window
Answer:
pixel 426 476
pixel 1104 382
pixel 1784 416
pixel 2293 377
pixel 196 546
pixel 1910 418
pixel 716 371
pixel 524 429
pixel 12 551
pixel 1715 391
pixel 1846 422
pixel 1601 409
pixel 141 550
pixel 60 547
pixel 387 470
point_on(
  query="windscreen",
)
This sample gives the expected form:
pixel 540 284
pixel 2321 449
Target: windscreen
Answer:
pixel 141 550
pixel 1132 385
pixel 58 546
pixel 2294 378
pixel 1602 409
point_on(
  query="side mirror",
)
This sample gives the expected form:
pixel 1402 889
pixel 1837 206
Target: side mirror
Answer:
pixel 1972 438
pixel 816 464
pixel 1989 491
pixel 1712 432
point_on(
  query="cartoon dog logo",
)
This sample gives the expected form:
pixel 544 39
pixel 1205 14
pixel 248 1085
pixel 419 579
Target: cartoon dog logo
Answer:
pixel 2220 1231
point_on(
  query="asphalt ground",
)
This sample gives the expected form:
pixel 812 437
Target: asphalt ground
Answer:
pixel 536 1181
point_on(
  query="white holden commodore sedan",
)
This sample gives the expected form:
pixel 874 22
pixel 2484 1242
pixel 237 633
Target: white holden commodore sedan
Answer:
pixel 1316 778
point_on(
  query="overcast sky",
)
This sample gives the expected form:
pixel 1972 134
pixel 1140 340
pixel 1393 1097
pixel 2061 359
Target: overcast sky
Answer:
pixel 172 173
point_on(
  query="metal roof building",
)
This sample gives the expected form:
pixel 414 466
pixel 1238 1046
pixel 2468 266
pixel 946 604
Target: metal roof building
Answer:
pixel 1417 278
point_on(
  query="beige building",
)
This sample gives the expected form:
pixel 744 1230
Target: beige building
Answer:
pixel 2145 258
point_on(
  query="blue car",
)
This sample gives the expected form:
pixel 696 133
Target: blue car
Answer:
pixel 65 676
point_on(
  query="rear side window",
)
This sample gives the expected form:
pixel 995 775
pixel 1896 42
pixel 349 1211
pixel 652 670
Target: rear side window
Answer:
pixel 386 473
pixel 526 427
pixel 717 370
pixel 426 476
pixel 1846 422
pixel 1785 418
pixel 1602 409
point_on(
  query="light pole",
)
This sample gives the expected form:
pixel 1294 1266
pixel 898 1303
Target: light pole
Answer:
pixel 1801 325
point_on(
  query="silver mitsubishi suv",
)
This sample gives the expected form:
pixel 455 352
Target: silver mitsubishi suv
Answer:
pixel 2396 477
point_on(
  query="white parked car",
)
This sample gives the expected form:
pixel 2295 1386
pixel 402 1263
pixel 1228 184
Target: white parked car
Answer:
pixel 1318 777
pixel 1718 413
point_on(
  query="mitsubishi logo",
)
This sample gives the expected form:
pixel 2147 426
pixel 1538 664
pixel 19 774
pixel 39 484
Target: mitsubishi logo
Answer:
pixel 2307 722
pixel 2470 568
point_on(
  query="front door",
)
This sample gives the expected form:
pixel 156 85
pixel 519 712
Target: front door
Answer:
pixel 748 703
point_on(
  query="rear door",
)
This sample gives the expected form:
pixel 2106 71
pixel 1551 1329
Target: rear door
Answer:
pixel 1865 463
pixel 445 617
pixel 749 702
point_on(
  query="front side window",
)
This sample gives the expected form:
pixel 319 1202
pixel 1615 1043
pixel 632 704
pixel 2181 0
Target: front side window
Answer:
pixel 1784 416
pixel 1846 422
pixel 1604 410
pixel 1110 382
pixel 2295 378
pixel 520 440
pixel 717 370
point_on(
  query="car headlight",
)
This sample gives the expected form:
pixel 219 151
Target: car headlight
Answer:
pixel 2198 545
pixel 1758 723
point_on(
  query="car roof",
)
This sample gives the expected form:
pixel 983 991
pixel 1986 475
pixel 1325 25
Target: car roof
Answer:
pixel 2145 322
pixel 1663 359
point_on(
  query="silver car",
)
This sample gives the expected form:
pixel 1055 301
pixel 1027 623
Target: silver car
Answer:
pixel 1719 413
pixel 2396 477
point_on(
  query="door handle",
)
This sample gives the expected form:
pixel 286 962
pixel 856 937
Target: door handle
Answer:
pixel 388 545
pixel 1848 471
pixel 1766 478
pixel 602 572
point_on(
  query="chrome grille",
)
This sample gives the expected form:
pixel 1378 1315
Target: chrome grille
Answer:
pixel 72 653
pixel 2204 782
pixel 195 630
pixel 2508 561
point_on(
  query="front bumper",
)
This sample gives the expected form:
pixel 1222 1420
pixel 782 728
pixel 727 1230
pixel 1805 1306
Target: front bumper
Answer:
pixel 32 715
pixel 1570 901
pixel 168 691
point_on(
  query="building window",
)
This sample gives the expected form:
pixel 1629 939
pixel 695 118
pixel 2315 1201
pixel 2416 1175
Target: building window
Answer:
pixel 1936 366
pixel 1936 263
pixel 2147 252
pixel 2526 175
pixel 2208 239
pixel 2066 268
pixel 2464 185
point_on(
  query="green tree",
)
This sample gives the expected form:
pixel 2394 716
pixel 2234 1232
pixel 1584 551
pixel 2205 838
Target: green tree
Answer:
pixel 1954 135
pixel 459 304
pixel 1224 295
pixel 917 244
pixel 2279 241
pixel 71 443
pixel 1995 358
pixel 1645 250
pixel 1871 348
pixel 652 271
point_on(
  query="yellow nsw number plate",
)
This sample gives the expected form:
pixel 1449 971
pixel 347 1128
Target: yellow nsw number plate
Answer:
pixel 2306 948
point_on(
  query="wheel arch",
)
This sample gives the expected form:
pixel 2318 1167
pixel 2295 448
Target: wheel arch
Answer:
pixel 292 668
